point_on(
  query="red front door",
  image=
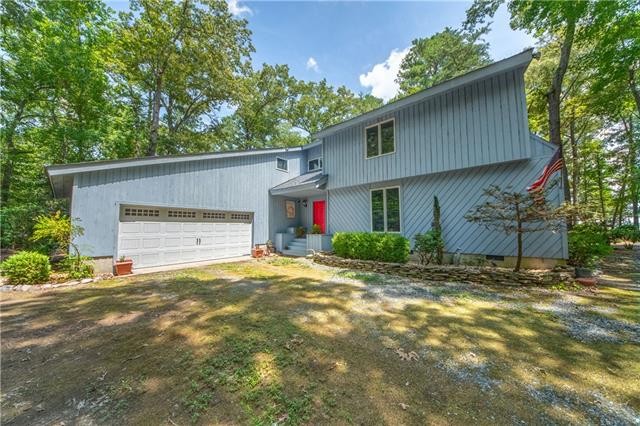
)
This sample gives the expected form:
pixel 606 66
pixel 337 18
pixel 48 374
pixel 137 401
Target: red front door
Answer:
pixel 319 215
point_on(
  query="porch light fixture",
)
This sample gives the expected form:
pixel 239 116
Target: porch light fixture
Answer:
pixel 304 203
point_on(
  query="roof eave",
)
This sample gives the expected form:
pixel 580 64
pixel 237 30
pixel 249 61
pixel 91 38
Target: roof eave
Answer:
pixel 90 166
pixel 513 62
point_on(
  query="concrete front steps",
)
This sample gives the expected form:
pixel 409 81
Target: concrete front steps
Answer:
pixel 297 247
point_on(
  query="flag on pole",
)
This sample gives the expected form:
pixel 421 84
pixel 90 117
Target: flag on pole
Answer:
pixel 554 165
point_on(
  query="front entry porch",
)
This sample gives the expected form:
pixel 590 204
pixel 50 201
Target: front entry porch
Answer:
pixel 299 215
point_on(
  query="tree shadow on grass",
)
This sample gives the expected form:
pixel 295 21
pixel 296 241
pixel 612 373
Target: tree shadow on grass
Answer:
pixel 198 346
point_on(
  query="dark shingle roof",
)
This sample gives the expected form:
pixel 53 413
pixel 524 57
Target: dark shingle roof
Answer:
pixel 309 180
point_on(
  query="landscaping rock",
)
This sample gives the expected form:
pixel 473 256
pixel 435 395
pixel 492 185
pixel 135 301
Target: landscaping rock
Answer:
pixel 49 286
pixel 448 273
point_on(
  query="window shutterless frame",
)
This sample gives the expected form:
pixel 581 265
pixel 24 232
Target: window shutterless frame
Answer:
pixel 319 159
pixel 379 126
pixel 384 204
pixel 286 162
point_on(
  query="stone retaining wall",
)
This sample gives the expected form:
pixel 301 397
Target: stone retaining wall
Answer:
pixel 478 275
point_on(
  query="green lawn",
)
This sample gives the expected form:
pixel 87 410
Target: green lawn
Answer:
pixel 284 341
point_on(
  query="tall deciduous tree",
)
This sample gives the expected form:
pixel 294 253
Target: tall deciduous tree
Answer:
pixel 564 19
pixel 442 56
pixel 259 119
pixel 315 106
pixel 53 80
pixel 183 59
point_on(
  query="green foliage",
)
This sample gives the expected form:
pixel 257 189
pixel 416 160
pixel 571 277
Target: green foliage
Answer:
pixel 588 243
pixel 440 57
pixel 77 267
pixel 315 229
pixel 627 234
pixel 383 247
pixel 316 105
pixel 58 229
pixel 26 267
pixel 428 245
pixel 300 231
pixel 167 56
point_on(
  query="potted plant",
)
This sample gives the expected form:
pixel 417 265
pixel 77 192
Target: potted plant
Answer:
pixel 123 266
pixel 588 243
pixel 315 229
pixel 271 248
pixel 300 232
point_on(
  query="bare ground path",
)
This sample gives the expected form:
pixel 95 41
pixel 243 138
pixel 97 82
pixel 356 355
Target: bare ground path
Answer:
pixel 288 342
pixel 622 269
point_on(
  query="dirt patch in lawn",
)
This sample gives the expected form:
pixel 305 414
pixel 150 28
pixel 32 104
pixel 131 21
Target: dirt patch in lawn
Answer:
pixel 287 342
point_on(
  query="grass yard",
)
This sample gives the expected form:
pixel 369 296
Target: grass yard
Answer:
pixel 284 341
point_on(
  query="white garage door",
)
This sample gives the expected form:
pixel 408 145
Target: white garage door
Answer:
pixel 154 236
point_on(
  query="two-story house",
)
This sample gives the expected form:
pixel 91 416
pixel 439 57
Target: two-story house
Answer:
pixel 377 172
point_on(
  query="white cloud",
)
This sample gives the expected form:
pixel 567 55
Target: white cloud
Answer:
pixel 382 77
pixel 237 9
pixel 312 64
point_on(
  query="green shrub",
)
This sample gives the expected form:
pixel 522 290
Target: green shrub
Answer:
pixel 77 267
pixel 371 246
pixel 26 267
pixel 428 245
pixel 587 244
pixel 627 234
pixel 300 232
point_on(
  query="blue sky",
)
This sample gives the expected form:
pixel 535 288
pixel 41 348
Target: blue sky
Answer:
pixel 357 44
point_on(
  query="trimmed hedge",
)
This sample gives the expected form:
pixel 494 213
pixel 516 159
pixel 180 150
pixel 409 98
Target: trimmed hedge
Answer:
pixel 26 267
pixel 382 247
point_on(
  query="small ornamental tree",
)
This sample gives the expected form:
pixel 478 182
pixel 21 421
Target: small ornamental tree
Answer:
pixel 517 213
pixel 438 228
pixel 61 230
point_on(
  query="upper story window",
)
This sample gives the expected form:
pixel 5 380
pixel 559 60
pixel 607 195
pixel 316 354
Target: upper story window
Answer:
pixel 282 164
pixel 380 139
pixel 315 164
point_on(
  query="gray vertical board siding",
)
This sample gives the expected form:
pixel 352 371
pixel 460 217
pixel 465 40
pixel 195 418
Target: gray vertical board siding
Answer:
pixel 237 183
pixel 278 215
pixel 479 124
pixel 312 153
pixel 457 191
pixel 307 213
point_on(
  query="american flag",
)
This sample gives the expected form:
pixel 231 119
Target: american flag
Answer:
pixel 554 165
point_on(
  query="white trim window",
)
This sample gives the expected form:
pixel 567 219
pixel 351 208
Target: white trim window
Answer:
pixel 380 139
pixel 314 164
pixel 282 164
pixel 385 209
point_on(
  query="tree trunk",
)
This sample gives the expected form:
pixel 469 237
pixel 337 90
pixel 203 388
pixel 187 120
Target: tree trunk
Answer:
pixel 9 152
pixel 619 206
pixel 518 238
pixel 554 98
pixel 634 88
pixel 634 187
pixel 575 165
pixel 634 203
pixel 155 118
pixel 599 166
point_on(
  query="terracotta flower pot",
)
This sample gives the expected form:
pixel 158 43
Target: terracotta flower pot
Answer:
pixel 582 272
pixel 124 267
